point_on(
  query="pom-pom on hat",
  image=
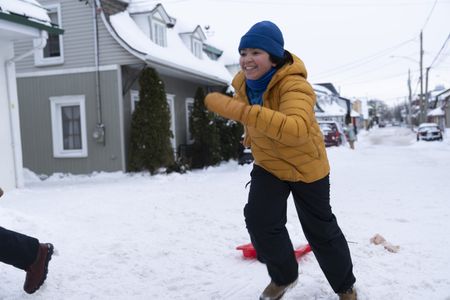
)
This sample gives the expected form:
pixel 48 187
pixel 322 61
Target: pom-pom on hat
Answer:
pixel 264 35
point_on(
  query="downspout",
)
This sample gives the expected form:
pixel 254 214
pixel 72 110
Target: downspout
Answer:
pixel 99 131
pixel 11 93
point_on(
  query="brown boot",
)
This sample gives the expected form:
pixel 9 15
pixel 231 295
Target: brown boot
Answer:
pixel 37 272
pixel 350 294
pixel 276 292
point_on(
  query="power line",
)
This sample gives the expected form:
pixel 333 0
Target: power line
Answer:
pixel 385 77
pixel 429 15
pixel 439 53
pixel 362 61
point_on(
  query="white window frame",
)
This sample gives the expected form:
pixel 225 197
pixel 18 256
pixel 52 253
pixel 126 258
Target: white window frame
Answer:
pixel 197 47
pixel 56 104
pixel 39 59
pixel 171 103
pixel 159 32
pixel 134 98
pixel 189 101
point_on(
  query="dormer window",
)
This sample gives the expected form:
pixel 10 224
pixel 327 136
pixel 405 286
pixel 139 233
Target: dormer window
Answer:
pixel 158 32
pixel 197 48
pixel 194 40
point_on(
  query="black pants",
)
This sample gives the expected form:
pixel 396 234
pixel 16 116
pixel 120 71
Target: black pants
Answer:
pixel 17 249
pixel 265 217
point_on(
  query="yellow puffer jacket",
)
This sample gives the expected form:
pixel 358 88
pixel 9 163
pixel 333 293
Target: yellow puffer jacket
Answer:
pixel 283 133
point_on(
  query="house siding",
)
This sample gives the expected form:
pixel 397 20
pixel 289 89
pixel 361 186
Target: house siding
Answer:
pixel 36 130
pixel 78 41
pixel 119 71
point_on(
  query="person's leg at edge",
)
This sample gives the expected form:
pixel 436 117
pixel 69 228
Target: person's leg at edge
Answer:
pixel 312 201
pixel 17 249
pixel 265 217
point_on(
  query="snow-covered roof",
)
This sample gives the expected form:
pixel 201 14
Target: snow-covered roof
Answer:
pixel 331 109
pixel 321 89
pixel 327 101
pixel 436 112
pixel 28 8
pixel 175 55
pixel 28 13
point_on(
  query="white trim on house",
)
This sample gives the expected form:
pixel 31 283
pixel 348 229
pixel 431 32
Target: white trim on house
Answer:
pixel 56 105
pixel 121 120
pixel 189 107
pixel 66 71
pixel 39 59
pixel 171 102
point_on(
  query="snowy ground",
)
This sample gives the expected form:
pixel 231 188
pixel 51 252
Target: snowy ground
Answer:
pixel 123 236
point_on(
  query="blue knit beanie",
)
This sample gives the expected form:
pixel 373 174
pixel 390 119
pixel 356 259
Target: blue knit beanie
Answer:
pixel 264 35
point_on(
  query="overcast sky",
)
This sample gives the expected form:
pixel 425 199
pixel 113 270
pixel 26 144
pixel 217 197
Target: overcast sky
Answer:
pixel 364 47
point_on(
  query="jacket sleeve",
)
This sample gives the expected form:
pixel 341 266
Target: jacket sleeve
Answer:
pixel 226 106
pixel 291 124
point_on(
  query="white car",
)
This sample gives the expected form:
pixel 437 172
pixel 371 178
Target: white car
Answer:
pixel 429 132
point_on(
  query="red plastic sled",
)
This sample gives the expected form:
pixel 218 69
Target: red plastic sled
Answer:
pixel 248 251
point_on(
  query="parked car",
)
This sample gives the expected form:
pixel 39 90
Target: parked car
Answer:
pixel 429 132
pixel 333 134
pixel 245 157
pixel 245 154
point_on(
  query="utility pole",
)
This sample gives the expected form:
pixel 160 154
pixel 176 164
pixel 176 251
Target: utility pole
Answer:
pixel 422 106
pixel 409 100
pixel 426 92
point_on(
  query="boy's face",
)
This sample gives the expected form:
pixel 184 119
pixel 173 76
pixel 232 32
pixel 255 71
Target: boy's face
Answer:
pixel 255 63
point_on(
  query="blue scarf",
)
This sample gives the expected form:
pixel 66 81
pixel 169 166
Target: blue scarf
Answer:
pixel 256 88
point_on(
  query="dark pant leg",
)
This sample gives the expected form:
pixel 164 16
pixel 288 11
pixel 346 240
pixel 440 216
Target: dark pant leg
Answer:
pixel 322 231
pixel 265 217
pixel 17 249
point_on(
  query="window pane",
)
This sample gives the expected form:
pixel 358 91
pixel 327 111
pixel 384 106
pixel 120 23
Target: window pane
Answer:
pixel 197 48
pixel 71 124
pixel 52 48
pixel 159 32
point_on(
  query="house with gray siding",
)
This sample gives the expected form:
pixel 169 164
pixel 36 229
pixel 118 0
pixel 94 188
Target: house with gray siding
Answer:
pixel 77 95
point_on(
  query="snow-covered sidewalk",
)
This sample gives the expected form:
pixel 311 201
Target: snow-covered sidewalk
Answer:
pixel 122 236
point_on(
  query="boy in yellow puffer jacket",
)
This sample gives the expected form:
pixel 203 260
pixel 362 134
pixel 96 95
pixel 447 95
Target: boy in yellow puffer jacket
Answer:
pixel 275 103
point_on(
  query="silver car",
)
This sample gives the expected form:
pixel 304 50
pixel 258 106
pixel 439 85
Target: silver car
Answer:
pixel 429 132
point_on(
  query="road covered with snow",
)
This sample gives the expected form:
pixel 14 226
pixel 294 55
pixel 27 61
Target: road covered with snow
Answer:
pixel 136 236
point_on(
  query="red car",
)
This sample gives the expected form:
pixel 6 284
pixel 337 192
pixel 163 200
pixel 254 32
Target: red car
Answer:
pixel 331 134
